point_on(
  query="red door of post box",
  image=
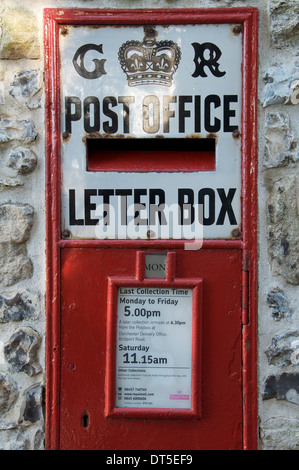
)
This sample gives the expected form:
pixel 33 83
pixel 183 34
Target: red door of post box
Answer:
pixel 151 229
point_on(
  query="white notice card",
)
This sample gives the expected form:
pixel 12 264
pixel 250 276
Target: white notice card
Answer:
pixel 154 347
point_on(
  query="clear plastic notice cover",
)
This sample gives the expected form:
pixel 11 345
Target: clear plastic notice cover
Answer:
pixel 154 347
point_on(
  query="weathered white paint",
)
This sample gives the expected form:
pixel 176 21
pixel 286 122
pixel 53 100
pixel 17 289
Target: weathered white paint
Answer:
pixel 226 80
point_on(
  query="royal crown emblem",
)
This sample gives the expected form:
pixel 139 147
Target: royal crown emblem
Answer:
pixel 149 62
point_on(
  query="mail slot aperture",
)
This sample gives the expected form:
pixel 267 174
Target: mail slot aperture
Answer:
pixel 138 155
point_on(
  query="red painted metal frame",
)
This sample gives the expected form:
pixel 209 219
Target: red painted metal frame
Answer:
pixel 248 18
pixel 113 412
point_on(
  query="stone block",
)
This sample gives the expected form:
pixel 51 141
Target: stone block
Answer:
pixel 32 411
pixel 8 393
pixel 15 265
pixel 19 35
pixel 21 351
pixel 14 440
pixel 284 350
pixel 2 85
pixel 282 387
pixel 281 147
pixel 26 89
pixel 15 129
pixel 278 301
pixel 294 92
pixel 284 22
pixel 20 306
pixel 281 85
pixel 279 433
pixel 21 159
pixel 283 228
pixel 16 222
pixel 39 441
pixel 6 182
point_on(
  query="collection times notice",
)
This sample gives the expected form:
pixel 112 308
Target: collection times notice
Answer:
pixel 154 347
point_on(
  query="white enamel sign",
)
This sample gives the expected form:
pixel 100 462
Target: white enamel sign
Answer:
pixel 154 340
pixel 126 82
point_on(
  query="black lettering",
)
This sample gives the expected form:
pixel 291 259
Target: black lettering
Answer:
pixel 183 113
pixel 88 127
pixel 126 101
pixel 217 123
pixel 99 64
pixel 228 113
pixel 89 206
pixel 209 194
pixel 106 193
pixel 211 62
pixel 110 101
pixel 139 206
pixel 186 206
pixel 155 267
pixel 157 208
pixel 197 110
pixel 207 115
pixel 123 193
pixel 69 115
pixel 72 209
pixel 226 207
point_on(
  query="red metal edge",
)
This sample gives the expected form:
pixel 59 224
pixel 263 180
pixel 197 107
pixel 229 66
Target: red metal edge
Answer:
pixel 111 331
pixel 52 18
pixel 153 244
pixel 249 225
pixel 149 16
pixel 52 233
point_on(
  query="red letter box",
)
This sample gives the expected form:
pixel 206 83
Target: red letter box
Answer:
pixel 151 237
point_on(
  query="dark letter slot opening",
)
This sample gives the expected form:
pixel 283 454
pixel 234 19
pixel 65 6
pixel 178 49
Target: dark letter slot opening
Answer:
pixel 142 155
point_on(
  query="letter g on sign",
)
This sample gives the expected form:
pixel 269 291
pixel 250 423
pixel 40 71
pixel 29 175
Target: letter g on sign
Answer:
pixel 99 64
